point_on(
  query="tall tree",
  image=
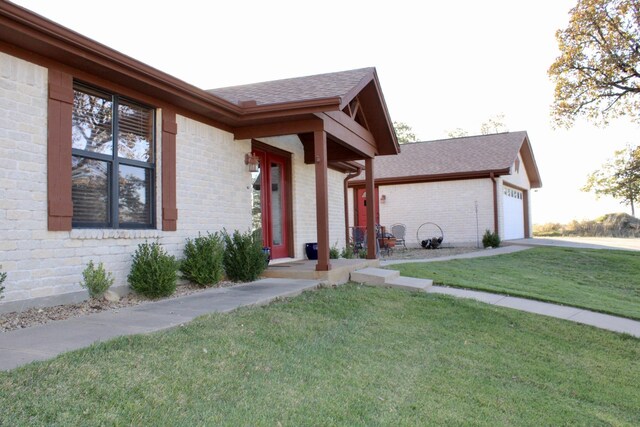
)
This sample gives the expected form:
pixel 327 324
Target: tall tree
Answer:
pixel 619 177
pixel 404 133
pixel 597 74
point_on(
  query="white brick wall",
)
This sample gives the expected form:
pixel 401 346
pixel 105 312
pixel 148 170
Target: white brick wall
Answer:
pixel 450 204
pixel 212 193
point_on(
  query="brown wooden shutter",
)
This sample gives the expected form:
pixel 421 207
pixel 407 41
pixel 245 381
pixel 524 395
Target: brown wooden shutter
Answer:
pixel 169 206
pixel 60 205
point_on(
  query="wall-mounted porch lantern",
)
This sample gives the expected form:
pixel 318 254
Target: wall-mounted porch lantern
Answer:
pixel 252 161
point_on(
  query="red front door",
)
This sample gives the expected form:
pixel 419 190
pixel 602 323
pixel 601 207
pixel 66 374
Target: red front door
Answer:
pixel 361 207
pixel 270 202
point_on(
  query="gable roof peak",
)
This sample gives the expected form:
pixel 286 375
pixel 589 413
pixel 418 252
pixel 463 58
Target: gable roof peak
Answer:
pixel 339 85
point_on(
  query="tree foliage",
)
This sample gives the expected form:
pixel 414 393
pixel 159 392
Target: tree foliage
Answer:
pixel 457 133
pixel 618 177
pixel 597 74
pixel 404 133
pixel 494 124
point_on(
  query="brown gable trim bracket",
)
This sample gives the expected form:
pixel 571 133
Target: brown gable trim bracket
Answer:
pixel 60 105
pixel 169 202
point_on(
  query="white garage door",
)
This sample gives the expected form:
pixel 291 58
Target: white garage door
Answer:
pixel 513 207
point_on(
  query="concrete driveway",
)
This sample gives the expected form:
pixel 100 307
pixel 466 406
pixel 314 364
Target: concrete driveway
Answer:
pixel 629 244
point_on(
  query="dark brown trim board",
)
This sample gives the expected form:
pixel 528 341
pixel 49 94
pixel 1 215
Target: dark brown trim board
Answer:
pixel 169 199
pixel 60 105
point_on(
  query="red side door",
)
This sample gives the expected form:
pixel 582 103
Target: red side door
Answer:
pixel 361 207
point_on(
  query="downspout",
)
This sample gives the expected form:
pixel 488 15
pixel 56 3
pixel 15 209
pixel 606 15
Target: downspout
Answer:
pixel 495 202
pixel 351 175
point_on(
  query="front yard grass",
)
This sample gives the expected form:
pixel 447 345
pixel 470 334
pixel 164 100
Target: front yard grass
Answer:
pixel 600 280
pixel 347 356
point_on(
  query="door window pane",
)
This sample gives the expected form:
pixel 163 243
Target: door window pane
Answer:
pixel 134 195
pixel 256 200
pixel 135 132
pixel 276 203
pixel 92 119
pixel 90 191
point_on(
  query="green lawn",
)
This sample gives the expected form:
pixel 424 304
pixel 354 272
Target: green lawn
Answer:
pixel 346 356
pixel 600 280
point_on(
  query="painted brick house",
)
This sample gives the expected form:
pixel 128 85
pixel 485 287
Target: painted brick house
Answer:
pixel 464 185
pixel 100 152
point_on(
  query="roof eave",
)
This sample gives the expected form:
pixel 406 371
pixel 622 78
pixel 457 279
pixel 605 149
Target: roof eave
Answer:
pixel 24 29
pixel 452 176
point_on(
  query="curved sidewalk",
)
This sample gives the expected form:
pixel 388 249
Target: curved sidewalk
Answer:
pixel 573 314
pixel 565 312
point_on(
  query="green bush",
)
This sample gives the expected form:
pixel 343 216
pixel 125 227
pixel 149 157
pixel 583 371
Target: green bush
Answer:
pixel 202 261
pixel 3 276
pixel 334 252
pixel 96 279
pixel 244 259
pixel 347 252
pixel 490 239
pixel 153 272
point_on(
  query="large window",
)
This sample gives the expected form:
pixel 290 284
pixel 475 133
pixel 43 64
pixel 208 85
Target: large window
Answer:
pixel 113 161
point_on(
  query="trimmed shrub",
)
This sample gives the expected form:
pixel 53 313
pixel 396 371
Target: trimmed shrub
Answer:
pixel 334 252
pixel 96 279
pixel 244 259
pixel 203 258
pixel 347 252
pixel 3 277
pixel 490 239
pixel 153 272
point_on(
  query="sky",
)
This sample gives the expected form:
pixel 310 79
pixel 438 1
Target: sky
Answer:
pixel 442 65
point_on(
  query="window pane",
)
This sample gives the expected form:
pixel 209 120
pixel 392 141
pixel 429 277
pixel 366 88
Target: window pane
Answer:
pixel 89 191
pixel 135 130
pixel 276 204
pixel 134 198
pixel 92 121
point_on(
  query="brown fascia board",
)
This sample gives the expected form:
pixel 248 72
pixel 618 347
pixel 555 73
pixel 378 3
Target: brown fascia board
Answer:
pixel 383 105
pixel 286 109
pixel 415 179
pixel 530 164
pixel 29 31
pixel 33 32
pixel 346 166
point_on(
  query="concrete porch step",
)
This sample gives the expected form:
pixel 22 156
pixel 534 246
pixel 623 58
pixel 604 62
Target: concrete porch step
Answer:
pixel 374 276
pixel 389 278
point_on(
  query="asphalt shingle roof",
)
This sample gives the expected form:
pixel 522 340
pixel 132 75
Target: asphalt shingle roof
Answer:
pixel 449 156
pixel 297 89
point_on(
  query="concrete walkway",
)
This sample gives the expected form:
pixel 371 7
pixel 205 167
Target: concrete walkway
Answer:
pixel 615 243
pixel 578 315
pixel 47 341
pixel 477 254
pixel 573 314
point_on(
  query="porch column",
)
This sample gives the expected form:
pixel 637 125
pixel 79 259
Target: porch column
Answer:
pixel 322 200
pixel 372 207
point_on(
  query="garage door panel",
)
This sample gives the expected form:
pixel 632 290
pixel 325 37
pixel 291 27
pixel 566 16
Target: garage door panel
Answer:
pixel 513 209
